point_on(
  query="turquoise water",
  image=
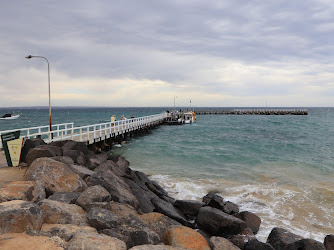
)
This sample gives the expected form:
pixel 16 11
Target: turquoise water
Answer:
pixel 280 167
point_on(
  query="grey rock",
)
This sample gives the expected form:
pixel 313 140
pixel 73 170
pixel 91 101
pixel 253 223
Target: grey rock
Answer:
pixel 189 207
pixel 66 197
pixel 280 238
pixel 100 218
pixel 93 194
pixel 252 220
pixel 257 245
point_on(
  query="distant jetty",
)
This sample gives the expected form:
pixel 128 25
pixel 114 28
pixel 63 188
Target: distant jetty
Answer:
pixel 253 112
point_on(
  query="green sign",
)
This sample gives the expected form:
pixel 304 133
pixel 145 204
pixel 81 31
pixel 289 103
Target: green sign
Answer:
pixel 5 138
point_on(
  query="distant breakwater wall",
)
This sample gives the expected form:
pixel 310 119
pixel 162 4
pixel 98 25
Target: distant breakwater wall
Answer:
pixel 253 112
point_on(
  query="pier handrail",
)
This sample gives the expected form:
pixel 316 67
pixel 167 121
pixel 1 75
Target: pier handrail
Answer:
pixel 30 132
pixel 95 131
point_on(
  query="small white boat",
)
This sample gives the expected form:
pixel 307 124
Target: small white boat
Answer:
pixel 189 117
pixel 9 117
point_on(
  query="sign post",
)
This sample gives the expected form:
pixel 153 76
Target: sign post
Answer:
pixel 12 145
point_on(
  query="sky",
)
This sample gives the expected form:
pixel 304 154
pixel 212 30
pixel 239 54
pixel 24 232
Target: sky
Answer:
pixel 139 53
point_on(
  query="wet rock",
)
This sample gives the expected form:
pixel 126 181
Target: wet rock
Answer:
pixel 252 220
pixel 54 176
pixel 180 236
pixel 22 190
pixel 220 243
pixel 42 151
pixel 169 210
pixel 85 240
pixel 66 197
pixel 93 194
pixel 61 213
pixel 216 201
pixel 24 241
pixel 257 245
pixel 280 238
pixel 306 244
pixel 241 239
pixel 100 218
pixel 66 231
pixel 29 144
pixel 219 223
pixel 19 216
pixel 158 222
pixel 329 242
pixel 189 207
pixel 120 161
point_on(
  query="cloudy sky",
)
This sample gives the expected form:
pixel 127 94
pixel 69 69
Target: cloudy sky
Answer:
pixel 146 52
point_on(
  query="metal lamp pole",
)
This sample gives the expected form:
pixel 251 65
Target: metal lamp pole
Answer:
pixel 29 57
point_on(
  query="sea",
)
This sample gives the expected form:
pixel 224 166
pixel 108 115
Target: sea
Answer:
pixel 278 167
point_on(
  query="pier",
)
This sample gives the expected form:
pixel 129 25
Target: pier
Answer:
pixel 102 134
pixel 253 112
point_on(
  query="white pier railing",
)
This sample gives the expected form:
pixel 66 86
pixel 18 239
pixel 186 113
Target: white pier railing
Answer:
pixel 90 133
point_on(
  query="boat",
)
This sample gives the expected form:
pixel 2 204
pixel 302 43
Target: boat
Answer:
pixel 189 117
pixel 9 117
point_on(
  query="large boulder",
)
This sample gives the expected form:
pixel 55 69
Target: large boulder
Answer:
pixel 19 216
pixel 23 241
pixel 158 222
pixel 22 190
pixel 189 207
pixel 66 231
pixel 91 195
pixel 83 172
pixel 118 189
pixel 29 144
pixel 329 241
pixel 96 160
pixel 64 159
pixel 280 238
pixel 252 220
pixel 54 176
pixel 220 243
pixel 169 210
pixel 306 244
pixel 77 146
pixel 216 201
pixel 100 218
pixel 180 236
pixel 86 240
pixel 66 197
pixel 257 245
pixel 218 223
pixel 43 151
pixel 62 213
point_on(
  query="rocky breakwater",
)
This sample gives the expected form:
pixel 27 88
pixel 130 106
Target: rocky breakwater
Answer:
pixel 71 198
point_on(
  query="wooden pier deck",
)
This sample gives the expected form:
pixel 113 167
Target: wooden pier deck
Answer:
pixel 253 112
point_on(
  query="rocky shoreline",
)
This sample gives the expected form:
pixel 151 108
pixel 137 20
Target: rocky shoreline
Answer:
pixel 72 198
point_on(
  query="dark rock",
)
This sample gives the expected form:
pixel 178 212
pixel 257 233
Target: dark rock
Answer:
pixel 29 144
pixel 82 160
pixel 42 151
pixel 93 194
pixel 64 159
pixel 97 160
pixel 120 161
pixel 252 220
pixel 189 207
pixel 83 172
pixel 306 244
pixel 77 146
pixel 222 243
pixel 280 238
pixel 73 154
pixel 144 198
pixel 65 231
pixel 241 239
pixel 216 201
pixel 118 189
pixel 169 210
pixel 329 242
pixel 100 218
pixel 218 223
pixel 65 197
pixel 257 245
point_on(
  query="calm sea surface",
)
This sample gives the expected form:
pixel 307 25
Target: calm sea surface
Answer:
pixel 280 167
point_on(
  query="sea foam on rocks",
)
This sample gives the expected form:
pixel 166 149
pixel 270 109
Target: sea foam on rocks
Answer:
pixel 89 201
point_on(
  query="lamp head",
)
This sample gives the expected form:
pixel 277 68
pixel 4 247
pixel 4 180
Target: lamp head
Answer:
pixel 28 57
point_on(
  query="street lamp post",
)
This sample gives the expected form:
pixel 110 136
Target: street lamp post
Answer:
pixel 29 57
